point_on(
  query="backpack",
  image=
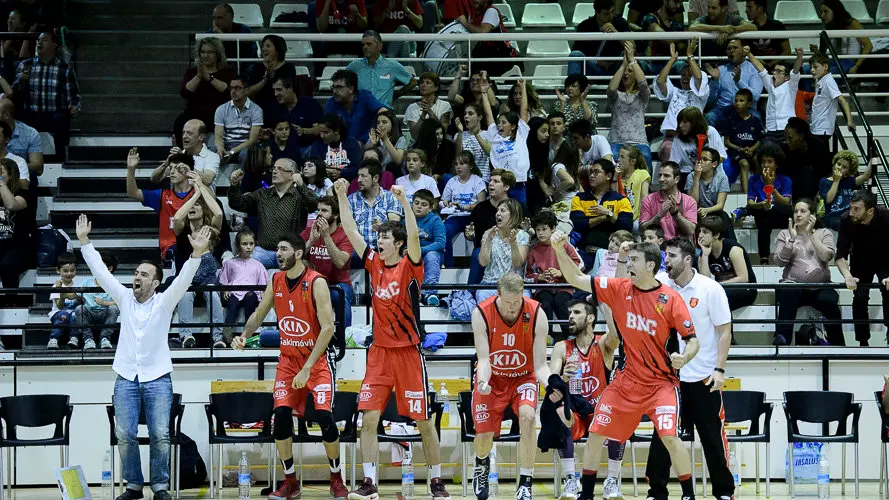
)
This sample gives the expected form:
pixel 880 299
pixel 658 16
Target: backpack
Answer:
pixel 51 243
pixel 192 470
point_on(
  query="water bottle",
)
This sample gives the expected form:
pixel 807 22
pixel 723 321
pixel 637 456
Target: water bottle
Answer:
pixel 493 475
pixel 243 476
pixel 407 475
pixel 823 476
pixel 107 486
pixel 443 397
pixel 735 467
pixel 575 384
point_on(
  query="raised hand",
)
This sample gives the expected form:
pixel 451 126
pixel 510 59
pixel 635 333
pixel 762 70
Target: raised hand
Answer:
pixel 200 241
pixel 133 158
pixel 673 54
pixel 399 194
pixel 83 228
pixel 558 239
pixel 736 73
pixel 691 47
pixel 561 97
pixel 458 123
pixel 791 228
pixel 712 71
pixel 341 187
pixel 322 225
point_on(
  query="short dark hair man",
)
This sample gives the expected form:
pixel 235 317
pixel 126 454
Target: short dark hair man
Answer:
pixel 358 108
pixel 599 211
pixel 604 20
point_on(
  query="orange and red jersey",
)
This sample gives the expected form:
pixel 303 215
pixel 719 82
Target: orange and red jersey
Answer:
pixel 297 313
pixel 395 292
pixel 594 374
pixel 511 345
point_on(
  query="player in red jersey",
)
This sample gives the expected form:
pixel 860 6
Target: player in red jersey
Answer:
pixel 646 314
pixel 305 319
pixel 510 339
pixel 394 360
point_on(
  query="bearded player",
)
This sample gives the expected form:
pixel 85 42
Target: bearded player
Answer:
pixel 647 315
pixel 302 305
pixel 394 360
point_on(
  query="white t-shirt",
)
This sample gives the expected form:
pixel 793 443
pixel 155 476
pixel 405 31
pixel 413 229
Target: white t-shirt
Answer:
pixel 492 17
pixel 599 149
pixel 685 154
pixel 679 99
pixel 510 154
pixel 565 197
pixel 482 161
pixel 782 100
pixel 412 113
pixel 411 187
pixel 207 161
pixel 708 306
pixel 824 106
pixel 24 173
pixel 463 193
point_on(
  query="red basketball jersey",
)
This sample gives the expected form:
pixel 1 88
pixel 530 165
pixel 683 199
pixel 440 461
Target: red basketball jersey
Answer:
pixel 170 204
pixel 511 345
pixel 594 374
pixel 297 314
pixel 396 300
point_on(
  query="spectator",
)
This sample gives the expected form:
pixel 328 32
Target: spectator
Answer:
pixel 283 207
pixel 47 92
pixel 574 104
pixel 357 108
pixel 599 211
pixel 416 179
pixel 206 275
pixel 439 149
pixel 283 144
pixel 768 199
pixel 381 139
pixel 301 113
pixel 709 185
pixel 593 147
pixel 675 212
pixel 504 247
pixel 837 190
pixel 633 179
pixel 166 201
pixel 402 17
pixel 542 267
pixel 464 95
pixel 200 210
pixel 429 106
pixel 560 185
pixel 18 225
pixel 556 122
pixel 206 163
pixel 607 259
pixel 655 236
pixel 484 217
pixel 737 74
pixel 339 16
pixel 482 17
pixel 379 75
pixel 509 143
pixel 860 257
pixel 720 21
pixel 224 23
pixel 781 89
pixel 538 151
pixel 827 98
pixel 743 134
pixel 628 95
pixel 63 305
pixel 372 205
pixel 805 250
pixel 205 86
pixel 432 242
pixel 835 17
pixel 757 13
pixel 264 74
pixel 315 176
pixel 339 149
pixel 471 139
pixel 605 20
pixel 663 20
pixel 98 308
pixel 241 270
pixel 694 89
pixel 810 161
pixel 25 140
pixel 461 195
pixel 237 125
pixel 14 51
pixel 513 102
pixel 330 252
pixel 698 8
pixel 726 261
pixel 684 151
pixel 21 164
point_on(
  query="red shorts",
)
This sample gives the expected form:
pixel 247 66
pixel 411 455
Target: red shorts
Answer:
pixel 487 410
pixel 623 403
pixel 399 368
pixel 581 426
pixel 320 384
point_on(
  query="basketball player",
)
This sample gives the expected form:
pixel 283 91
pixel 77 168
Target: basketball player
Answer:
pixel 305 319
pixel 510 332
pixel 394 360
pixel 646 314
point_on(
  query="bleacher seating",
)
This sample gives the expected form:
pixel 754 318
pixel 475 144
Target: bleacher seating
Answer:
pixel 249 14
pixel 543 16
pixel 284 8
pixel 858 10
pixel 796 12
pixel 582 12
pixel 545 49
pixel 506 12
pixel 558 72
pixel 882 14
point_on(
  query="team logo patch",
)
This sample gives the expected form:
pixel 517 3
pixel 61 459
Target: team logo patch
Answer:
pixel 322 388
pixel 662 298
pixel 508 359
pixel 659 308
pixel 603 419
pixel 481 407
pixel 686 324
pixel 665 410
pixel 365 396
pixel 526 318
pixel 413 395
pixel 693 302
pixel 604 408
pixel 280 383
pixel 481 417
pixel 293 326
pixel 280 394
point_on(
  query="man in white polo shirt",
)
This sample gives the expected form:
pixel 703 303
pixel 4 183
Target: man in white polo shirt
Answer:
pixel 782 88
pixel 206 162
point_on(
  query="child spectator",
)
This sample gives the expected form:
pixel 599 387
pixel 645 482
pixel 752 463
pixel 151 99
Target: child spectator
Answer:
pixel 461 194
pixel 416 178
pixel 684 151
pixel 655 236
pixel 241 270
pixel 98 308
pixel 513 102
pixel 542 267
pixel 470 138
pixel 504 247
pixel 380 139
pixel 315 177
pixel 708 185
pixel 593 147
pixel 284 144
pixel 633 179
pixel 607 259
pixel 768 199
pixel 824 105
pixel 560 184
pixel 836 190
pixel 509 142
pixel 743 133
pixel 431 139
pixel 340 151
pixel 432 242
pixel 556 122
pixel 63 304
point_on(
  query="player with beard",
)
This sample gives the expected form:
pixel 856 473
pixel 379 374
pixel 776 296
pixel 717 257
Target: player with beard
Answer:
pixel 305 319
pixel 648 315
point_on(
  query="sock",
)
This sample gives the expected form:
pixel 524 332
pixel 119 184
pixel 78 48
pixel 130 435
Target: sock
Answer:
pixel 525 477
pixel 483 460
pixel 370 470
pixel 567 466
pixel 435 471
pixel 588 483
pixel 289 470
pixel 614 468
pixel 688 490
pixel 334 465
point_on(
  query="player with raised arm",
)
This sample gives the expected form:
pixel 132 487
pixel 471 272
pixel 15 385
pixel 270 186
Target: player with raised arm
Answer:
pixel 305 319
pixel 647 314
pixel 510 332
pixel 394 360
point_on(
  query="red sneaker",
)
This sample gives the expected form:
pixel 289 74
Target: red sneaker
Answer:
pixel 288 491
pixel 337 489
pixel 367 490
pixel 438 489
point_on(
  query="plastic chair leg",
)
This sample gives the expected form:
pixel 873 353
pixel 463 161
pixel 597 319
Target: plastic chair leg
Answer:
pixel 635 479
pixel 792 493
pixel 556 474
pixel 463 466
pixel 856 469
pixel 843 471
pixel 212 473
pixel 3 478
pixel 768 471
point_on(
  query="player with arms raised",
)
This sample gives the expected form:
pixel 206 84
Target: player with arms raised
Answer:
pixel 646 314
pixel 305 319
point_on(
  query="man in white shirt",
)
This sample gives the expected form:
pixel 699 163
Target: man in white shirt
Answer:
pixel 593 147
pixel 142 361
pixel 206 162
pixel 782 89
pixel 429 106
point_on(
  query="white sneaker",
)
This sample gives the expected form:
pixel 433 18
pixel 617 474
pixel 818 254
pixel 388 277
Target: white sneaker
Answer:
pixel 612 488
pixel 188 342
pixel 52 344
pixel 570 488
pixel 105 344
pixel 89 344
pixel 73 342
pixel 523 493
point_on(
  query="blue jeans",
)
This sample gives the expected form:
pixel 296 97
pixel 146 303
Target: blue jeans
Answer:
pixel 338 293
pixel 518 193
pixel 431 272
pixel 234 305
pixel 476 270
pixel 155 398
pixel 267 258
pixel 106 316
pixel 592 69
pixel 186 313
pixel 645 149
pixel 453 227
pixel 61 321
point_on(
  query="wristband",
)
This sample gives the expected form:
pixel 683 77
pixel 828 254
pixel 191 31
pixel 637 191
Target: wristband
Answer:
pixel 621 261
pixel 720 370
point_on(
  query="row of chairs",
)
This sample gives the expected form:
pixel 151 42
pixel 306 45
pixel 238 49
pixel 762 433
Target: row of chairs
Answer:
pixel 819 407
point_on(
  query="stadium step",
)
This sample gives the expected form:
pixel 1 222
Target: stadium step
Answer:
pixel 97 84
pixel 115 154
pixel 197 10
pixel 117 220
pixel 173 52
pixel 128 69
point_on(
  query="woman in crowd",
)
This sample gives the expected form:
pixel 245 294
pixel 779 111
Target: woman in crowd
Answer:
pixel 513 102
pixel 263 74
pixel 835 17
pixel 726 261
pixel 836 190
pixel 805 250
pixel 18 223
pixel 559 184
pixel 508 136
pixel 470 138
pixel 461 94
pixel 315 177
pixel 461 194
pixel 628 96
pixel 632 179
pixel 438 148
pixel 504 247
pixel 204 86
pixel 574 103
pixel 538 152
pixel 685 145
pixel 391 148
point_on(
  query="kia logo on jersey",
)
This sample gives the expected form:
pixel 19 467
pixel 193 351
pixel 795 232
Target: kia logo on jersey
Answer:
pixel 590 385
pixel 293 326
pixel 509 359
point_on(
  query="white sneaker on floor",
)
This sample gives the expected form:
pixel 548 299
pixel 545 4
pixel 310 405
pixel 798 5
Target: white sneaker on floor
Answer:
pixel 73 342
pixel 188 342
pixel 52 344
pixel 523 493
pixel 570 488
pixel 89 344
pixel 611 488
pixel 105 344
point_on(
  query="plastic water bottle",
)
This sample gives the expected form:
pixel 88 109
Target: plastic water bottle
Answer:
pixel 407 475
pixel 823 476
pixel 107 486
pixel 575 384
pixel 243 476
pixel 735 467
pixel 493 475
pixel 443 397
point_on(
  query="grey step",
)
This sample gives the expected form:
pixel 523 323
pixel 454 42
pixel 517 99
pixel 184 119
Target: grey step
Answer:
pixel 155 8
pixel 155 52
pixel 136 103
pixel 115 122
pixel 137 38
pixel 152 69
pixel 94 84
pixel 140 21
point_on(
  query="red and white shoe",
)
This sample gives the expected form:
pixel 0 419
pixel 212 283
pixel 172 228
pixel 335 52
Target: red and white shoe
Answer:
pixel 367 490
pixel 337 488
pixel 288 491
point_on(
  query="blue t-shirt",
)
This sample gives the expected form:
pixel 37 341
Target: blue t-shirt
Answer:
pixel 755 190
pixel 742 132
pixel 291 150
pixel 361 118
pixel 380 79
pixel 842 200
pixel 305 114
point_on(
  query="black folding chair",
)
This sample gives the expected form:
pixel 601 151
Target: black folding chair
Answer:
pixel 743 406
pixel 345 409
pixel 467 430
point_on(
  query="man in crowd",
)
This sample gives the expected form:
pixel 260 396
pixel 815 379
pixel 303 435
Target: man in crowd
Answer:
pixel 339 150
pixel 24 171
pixel 25 140
pixel 757 13
pixel 721 22
pixel 429 106
pixel 674 211
pixel 358 108
pixel 237 124
pixel 400 16
pixel 484 217
pixel 781 88
pixel 330 252
pixel 860 256
pixel 726 261
pixel 371 206
pixel 206 162
pixel 727 79
pixel 378 74
pixel 661 21
pixel 303 114
pixel 600 211
pixel 593 147
pixel 224 23
pixel 282 207
pixel 604 20
pixel 339 16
